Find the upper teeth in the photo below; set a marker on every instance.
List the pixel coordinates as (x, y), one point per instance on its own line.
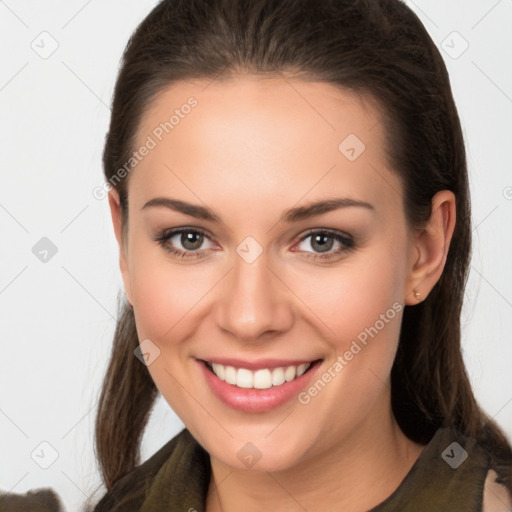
(260, 379)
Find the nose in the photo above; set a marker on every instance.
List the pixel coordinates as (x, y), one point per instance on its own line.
(255, 303)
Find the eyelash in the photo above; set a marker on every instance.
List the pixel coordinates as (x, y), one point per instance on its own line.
(345, 240)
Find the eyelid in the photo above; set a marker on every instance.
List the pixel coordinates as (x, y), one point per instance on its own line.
(328, 231)
(168, 233)
(176, 231)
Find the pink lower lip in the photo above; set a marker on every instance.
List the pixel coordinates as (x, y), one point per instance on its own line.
(256, 400)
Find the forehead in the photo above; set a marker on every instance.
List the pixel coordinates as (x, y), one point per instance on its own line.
(252, 137)
(317, 111)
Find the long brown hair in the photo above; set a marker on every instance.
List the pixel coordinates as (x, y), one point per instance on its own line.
(377, 47)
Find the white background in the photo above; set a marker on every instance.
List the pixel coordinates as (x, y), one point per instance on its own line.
(58, 317)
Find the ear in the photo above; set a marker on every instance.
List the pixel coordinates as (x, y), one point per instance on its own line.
(117, 217)
(429, 248)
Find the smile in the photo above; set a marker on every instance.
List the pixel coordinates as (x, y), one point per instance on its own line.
(264, 378)
(257, 387)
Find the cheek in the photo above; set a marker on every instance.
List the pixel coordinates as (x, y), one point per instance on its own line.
(165, 297)
(164, 292)
(351, 298)
(361, 308)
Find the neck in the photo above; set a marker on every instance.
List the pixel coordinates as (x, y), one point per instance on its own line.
(356, 474)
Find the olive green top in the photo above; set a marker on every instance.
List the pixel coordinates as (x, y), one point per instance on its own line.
(448, 475)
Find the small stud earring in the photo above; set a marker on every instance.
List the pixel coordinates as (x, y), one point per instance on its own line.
(417, 294)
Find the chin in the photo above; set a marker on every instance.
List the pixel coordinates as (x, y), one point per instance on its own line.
(259, 453)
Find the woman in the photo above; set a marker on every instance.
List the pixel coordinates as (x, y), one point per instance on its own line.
(288, 187)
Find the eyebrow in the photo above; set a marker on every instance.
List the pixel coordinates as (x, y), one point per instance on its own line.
(291, 215)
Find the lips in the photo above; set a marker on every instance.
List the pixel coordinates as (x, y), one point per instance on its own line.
(257, 386)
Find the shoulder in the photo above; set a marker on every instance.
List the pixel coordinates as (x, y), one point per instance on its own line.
(496, 497)
(494, 493)
(452, 473)
(131, 490)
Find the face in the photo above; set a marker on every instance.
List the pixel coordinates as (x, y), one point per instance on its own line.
(270, 320)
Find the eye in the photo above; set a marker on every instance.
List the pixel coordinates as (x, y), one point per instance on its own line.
(192, 242)
(190, 239)
(323, 241)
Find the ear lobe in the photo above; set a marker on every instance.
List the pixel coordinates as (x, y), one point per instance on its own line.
(117, 221)
(430, 248)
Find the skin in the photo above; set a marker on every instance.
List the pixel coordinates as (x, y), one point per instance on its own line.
(251, 149)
